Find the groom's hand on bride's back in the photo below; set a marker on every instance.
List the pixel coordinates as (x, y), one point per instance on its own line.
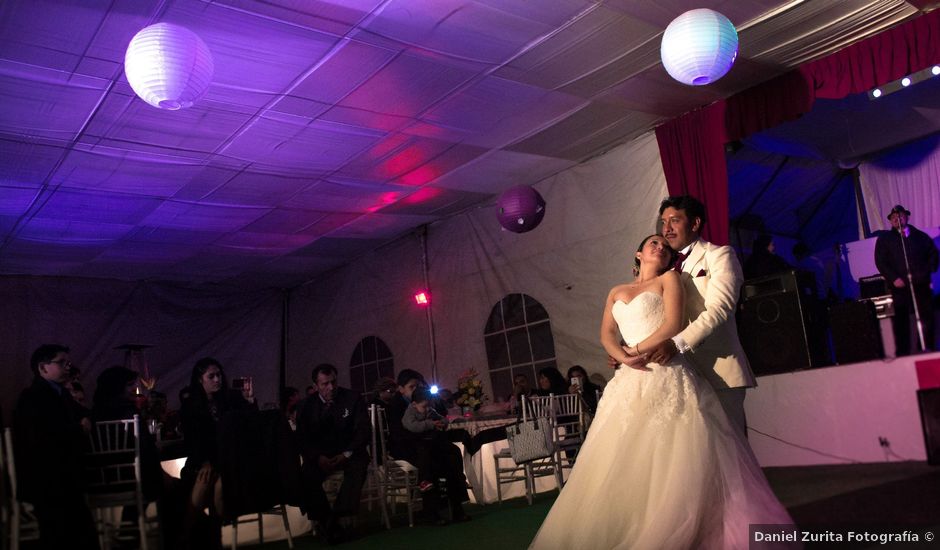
(662, 353)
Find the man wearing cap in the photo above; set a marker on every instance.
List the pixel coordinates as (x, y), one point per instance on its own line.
(905, 255)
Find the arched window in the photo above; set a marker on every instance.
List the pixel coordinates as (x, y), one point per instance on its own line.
(370, 361)
(518, 338)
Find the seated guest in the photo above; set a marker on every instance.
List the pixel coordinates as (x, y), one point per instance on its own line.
(114, 399)
(383, 391)
(334, 431)
(208, 400)
(445, 459)
(578, 382)
(421, 419)
(50, 444)
(290, 398)
(114, 394)
(551, 382)
(520, 388)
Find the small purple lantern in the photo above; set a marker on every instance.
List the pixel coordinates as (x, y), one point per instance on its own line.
(521, 208)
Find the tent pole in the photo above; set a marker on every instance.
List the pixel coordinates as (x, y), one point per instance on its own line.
(423, 237)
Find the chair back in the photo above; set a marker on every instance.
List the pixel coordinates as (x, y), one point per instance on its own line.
(570, 416)
(536, 407)
(113, 464)
(18, 516)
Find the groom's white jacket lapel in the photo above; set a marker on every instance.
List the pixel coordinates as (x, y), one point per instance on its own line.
(712, 278)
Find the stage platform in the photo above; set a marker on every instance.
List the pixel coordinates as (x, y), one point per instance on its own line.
(841, 414)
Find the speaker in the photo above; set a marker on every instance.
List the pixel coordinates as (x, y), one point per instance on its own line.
(856, 333)
(929, 403)
(780, 325)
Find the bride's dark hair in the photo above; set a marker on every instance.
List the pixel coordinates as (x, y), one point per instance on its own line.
(636, 261)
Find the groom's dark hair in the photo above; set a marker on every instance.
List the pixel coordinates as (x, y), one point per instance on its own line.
(693, 207)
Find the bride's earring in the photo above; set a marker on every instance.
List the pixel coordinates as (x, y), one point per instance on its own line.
(636, 271)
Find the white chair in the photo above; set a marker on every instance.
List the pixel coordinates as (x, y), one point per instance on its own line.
(20, 519)
(570, 427)
(278, 510)
(114, 481)
(398, 478)
(508, 471)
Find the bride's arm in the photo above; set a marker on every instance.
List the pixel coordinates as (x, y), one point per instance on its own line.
(673, 302)
(610, 334)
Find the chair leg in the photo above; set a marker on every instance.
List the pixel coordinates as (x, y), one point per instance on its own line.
(499, 486)
(383, 504)
(529, 482)
(235, 534)
(260, 528)
(142, 526)
(15, 528)
(290, 538)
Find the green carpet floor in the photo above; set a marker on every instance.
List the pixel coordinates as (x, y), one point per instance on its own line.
(888, 494)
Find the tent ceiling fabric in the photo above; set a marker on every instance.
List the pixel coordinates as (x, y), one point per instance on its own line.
(331, 127)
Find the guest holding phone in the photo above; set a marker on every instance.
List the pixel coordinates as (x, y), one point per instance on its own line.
(578, 382)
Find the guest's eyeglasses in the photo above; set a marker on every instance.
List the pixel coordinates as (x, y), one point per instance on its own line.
(65, 364)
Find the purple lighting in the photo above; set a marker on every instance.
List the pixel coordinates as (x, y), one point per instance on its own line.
(521, 208)
(168, 66)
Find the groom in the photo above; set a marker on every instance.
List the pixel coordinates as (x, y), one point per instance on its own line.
(711, 275)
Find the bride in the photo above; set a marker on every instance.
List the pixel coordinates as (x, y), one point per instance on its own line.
(662, 467)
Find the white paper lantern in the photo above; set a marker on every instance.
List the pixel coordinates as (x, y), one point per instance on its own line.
(699, 47)
(168, 66)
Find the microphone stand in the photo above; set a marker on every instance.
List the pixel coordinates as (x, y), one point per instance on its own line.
(910, 284)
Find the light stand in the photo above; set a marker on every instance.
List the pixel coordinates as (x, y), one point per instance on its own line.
(910, 285)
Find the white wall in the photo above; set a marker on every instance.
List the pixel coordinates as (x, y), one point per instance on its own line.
(836, 414)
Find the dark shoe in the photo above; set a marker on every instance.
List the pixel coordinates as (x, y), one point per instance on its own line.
(335, 534)
(435, 519)
(459, 515)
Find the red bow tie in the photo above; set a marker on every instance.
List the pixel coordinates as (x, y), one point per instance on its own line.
(680, 257)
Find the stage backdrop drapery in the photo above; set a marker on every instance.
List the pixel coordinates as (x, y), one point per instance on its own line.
(687, 142)
(693, 156)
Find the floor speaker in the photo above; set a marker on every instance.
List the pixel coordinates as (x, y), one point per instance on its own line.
(779, 324)
(929, 402)
(856, 332)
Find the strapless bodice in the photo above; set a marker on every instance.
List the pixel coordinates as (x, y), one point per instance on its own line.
(639, 317)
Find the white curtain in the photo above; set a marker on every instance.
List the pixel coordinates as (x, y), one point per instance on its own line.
(908, 175)
(596, 215)
(93, 316)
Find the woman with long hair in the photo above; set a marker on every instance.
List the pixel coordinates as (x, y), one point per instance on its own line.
(208, 400)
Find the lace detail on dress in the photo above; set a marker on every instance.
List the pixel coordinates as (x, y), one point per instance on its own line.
(665, 394)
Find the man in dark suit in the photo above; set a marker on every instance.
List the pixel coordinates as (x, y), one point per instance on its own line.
(50, 446)
(333, 428)
(905, 247)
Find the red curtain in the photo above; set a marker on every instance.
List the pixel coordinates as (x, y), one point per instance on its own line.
(692, 146)
(693, 156)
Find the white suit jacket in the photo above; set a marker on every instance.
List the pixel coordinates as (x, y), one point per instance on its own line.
(712, 278)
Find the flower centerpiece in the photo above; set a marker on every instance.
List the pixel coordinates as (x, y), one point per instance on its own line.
(470, 391)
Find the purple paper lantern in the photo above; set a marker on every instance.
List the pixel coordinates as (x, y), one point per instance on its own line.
(521, 208)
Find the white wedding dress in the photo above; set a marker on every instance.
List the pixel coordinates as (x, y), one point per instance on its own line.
(662, 467)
